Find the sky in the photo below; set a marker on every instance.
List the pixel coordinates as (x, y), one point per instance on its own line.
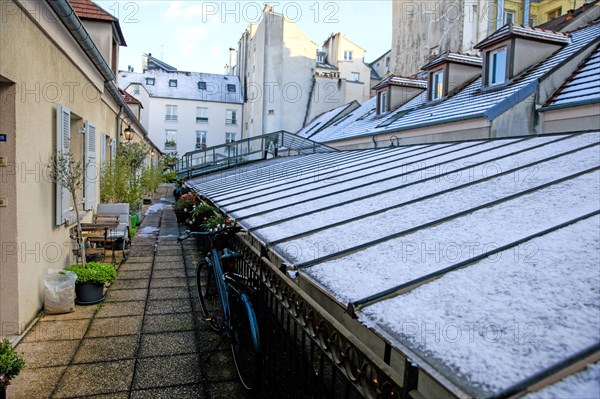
(196, 35)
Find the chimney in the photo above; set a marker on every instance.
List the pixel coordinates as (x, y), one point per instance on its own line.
(570, 15)
(232, 60)
(145, 62)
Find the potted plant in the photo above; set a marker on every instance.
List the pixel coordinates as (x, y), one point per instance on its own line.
(11, 365)
(184, 206)
(201, 213)
(217, 222)
(91, 278)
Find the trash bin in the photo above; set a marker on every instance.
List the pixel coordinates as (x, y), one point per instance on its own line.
(59, 291)
(134, 219)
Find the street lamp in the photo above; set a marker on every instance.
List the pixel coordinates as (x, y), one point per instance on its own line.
(128, 133)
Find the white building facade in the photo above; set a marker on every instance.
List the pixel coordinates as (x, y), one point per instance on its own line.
(187, 111)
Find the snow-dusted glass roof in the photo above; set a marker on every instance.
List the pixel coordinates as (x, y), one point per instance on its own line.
(490, 231)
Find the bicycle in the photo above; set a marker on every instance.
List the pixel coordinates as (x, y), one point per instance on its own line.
(217, 281)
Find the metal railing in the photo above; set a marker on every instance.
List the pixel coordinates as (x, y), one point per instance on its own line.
(272, 145)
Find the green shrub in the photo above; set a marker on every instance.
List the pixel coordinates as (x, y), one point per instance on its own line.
(11, 363)
(186, 203)
(203, 210)
(216, 221)
(94, 272)
(169, 177)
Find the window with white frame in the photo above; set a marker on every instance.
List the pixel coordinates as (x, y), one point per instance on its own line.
(172, 82)
(496, 66)
(136, 89)
(229, 137)
(201, 138)
(231, 88)
(231, 117)
(202, 85)
(437, 85)
(201, 115)
(150, 81)
(170, 139)
(171, 113)
(509, 17)
(382, 102)
(348, 55)
(355, 77)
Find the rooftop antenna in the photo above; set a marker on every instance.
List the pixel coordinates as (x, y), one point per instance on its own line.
(162, 51)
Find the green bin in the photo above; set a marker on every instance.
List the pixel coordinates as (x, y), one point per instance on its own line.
(134, 219)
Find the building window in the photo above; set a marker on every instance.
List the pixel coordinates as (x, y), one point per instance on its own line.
(229, 137)
(532, 21)
(172, 82)
(202, 85)
(382, 102)
(231, 88)
(201, 115)
(149, 81)
(509, 17)
(496, 64)
(557, 12)
(136, 89)
(348, 55)
(355, 77)
(437, 85)
(231, 118)
(170, 140)
(171, 113)
(201, 139)
(320, 58)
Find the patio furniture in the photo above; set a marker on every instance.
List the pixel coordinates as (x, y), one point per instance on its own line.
(117, 239)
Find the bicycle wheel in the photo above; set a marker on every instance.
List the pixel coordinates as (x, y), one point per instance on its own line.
(245, 340)
(126, 245)
(208, 293)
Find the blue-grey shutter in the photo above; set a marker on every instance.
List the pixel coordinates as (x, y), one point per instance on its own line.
(91, 168)
(63, 144)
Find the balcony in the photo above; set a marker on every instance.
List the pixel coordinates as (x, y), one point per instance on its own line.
(201, 119)
(231, 121)
(171, 118)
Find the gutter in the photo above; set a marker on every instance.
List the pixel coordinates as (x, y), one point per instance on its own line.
(67, 15)
(570, 105)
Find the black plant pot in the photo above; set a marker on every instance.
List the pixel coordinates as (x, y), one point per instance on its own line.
(2, 392)
(89, 293)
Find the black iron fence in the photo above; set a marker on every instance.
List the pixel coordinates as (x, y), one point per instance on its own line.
(306, 354)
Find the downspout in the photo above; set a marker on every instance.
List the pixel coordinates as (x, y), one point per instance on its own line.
(118, 124)
(374, 142)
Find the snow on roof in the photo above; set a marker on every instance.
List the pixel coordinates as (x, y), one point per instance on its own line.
(219, 88)
(585, 384)
(453, 57)
(402, 81)
(469, 103)
(490, 231)
(511, 30)
(322, 120)
(581, 88)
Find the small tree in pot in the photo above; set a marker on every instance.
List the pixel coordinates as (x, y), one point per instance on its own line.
(11, 365)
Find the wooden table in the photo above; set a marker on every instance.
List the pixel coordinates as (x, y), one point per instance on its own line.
(98, 233)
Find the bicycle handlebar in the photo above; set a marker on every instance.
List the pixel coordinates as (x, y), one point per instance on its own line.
(189, 233)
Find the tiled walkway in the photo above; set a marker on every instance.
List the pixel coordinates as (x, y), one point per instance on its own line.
(143, 341)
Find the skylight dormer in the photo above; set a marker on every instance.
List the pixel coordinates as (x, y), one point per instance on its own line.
(395, 91)
(513, 49)
(448, 72)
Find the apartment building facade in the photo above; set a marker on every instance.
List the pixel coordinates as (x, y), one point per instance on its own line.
(186, 111)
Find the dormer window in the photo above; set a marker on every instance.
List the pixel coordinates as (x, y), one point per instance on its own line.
(348, 55)
(172, 82)
(202, 85)
(231, 88)
(437, 85)
(149, 81)
(382, 102)
(497, 66)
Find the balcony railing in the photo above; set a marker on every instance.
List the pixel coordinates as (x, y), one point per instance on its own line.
(171, 118)
(231, 121)
(272, 145)
(201, 119)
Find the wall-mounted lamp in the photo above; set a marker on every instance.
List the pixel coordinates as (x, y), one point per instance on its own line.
(152, 153)
(128, 133)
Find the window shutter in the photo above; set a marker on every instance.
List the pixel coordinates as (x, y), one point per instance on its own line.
(113, 149)
(103, 140)
(91, 168)
(63, 139)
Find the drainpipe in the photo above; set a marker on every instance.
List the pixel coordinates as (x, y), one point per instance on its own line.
(500, 15)
(526, 11)
(374, 142)
(119, 124)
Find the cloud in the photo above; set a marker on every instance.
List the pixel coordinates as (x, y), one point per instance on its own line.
(180, 10)
(189, 39)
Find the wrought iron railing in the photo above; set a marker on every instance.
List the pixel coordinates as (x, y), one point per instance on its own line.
(278, 144)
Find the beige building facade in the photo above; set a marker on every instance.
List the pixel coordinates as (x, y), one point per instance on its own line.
(53, 97)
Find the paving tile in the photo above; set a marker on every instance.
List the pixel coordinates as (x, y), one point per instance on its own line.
(177, 370)
(172, 258)
(167, 265)
(140, 259)
(128, 285)
(126, 295)
(132, 275)
(116, 309)
(129, 267)
(168, 282)
(81, 312)
(171, 273)
(106, 349)
(168, 251)
(169, 293)
(179, 392)
(168, 306)
(57, 330)
(139, 249)
(115, 326)
(228, 390)
(168, 322)
(47, 353)
(171, 343)
(220, 366)
(35, 383)
(92, 379)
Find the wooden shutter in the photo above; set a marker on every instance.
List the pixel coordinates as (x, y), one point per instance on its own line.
(91, 168)
(63, 145)
(103, 141)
